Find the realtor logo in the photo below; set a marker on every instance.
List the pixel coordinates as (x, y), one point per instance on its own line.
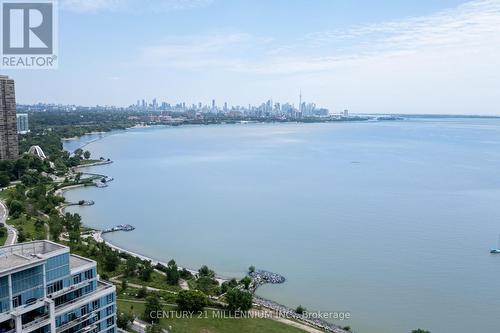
(29, 34)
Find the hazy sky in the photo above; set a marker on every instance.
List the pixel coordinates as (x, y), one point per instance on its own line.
(388, 56)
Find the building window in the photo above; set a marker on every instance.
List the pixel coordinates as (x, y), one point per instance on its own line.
(77, 279)
(109, 310)
(16, 301)
(95, 305)
(109, 298)
(89, 274)
(110, 321)
(56, 286)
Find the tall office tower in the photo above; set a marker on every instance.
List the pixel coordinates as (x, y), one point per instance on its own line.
(45, 289)
(9, 149)
(213, 105)
(22, 123)
(346, 113)
(155, 104)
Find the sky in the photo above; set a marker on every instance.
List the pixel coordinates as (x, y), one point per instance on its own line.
(385, 56)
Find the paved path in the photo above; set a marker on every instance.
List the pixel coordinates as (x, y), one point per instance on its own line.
(11, 231)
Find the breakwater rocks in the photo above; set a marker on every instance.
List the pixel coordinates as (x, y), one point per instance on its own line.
(261, 277)
(285, 312)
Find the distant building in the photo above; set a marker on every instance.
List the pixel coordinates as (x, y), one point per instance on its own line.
(9, 149)
(346, 113)
(45, 289)
(22, 123)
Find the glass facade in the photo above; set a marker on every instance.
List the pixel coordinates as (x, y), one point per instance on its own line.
(53, 292)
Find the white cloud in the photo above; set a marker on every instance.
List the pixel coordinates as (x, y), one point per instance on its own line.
(215, 51)
(471, 26)
(131, 5)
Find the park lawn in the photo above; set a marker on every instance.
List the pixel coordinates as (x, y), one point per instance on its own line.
(28, 227)
(85, 162)
(157, 281)
(4, 193)
(209, 324)
(131, 294)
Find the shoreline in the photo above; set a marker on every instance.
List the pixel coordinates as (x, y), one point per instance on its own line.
(257, 300)
(267, 304)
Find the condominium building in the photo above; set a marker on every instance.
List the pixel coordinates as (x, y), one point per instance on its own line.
(22, 123)
(9, 149)
(44, 288)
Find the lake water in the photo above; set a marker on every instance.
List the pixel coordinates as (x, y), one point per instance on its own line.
(391, 221)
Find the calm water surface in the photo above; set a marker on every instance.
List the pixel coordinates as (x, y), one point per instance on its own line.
(391, 221)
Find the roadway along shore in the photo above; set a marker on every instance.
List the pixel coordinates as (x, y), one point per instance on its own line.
(11, 231)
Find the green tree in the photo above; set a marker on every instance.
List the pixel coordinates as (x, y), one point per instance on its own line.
(300, 309)
(205, 271)
(3, 231)
(124, 284)
(185, 274)
(191, 300)
(143, 292)
(86, 154)
(146, 271)
(111, 260)
(151, 308)
(238, 300)
(74, 237)
(207, 284)
(420, 331)
(251, 269)
(228, 285)
(4, 179)
(78, 153)
(55, 227)
(39, 224)
(131, 266)
(16, 208)
(21, 235)
(246, 281)
(123, 320)
(172, 272)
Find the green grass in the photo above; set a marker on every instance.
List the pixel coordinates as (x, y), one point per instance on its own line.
(28, 227)
(210, 323)
(4, 194)
(85, 162)
(157, 281)
(131, 294)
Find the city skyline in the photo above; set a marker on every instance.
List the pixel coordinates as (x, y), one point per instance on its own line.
(384, 57)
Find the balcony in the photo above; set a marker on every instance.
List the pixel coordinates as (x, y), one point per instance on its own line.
(69, 289)
(37, 322)
(76, 321)
(101, 287)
